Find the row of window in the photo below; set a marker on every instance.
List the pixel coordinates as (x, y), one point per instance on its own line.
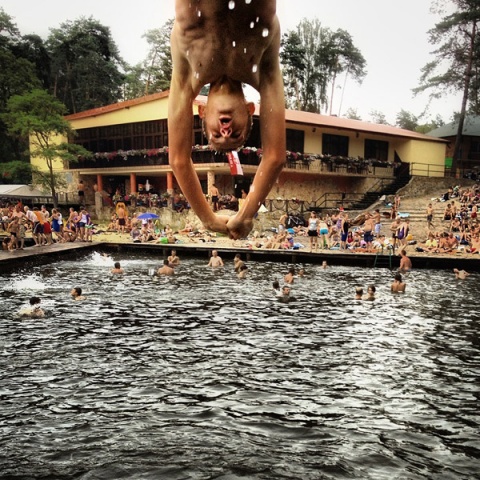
(154, 134)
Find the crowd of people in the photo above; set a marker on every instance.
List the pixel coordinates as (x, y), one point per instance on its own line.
(451, 229)
(455, 227)
(44, 226)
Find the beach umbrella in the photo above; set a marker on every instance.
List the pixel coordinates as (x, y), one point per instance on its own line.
(148, 216)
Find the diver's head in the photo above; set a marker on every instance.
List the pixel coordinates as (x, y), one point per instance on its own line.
(227, 117)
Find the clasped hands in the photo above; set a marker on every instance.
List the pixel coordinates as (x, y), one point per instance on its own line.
(234, 226)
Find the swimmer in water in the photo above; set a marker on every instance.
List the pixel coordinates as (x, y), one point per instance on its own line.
(243, 271)
(76, 294)
(370, 293)
(358, 293)
(117, 268)
(460, 274)
(227, 117)
(34, 310)
(398, 284)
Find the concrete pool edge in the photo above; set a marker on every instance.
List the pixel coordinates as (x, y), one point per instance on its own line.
(17, 259)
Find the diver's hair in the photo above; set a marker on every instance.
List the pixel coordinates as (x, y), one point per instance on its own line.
(221, 150)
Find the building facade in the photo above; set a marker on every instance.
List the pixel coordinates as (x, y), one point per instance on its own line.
(325, 154)
(469, 155)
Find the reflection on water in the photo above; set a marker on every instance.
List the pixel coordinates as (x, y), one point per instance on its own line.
(205, 376)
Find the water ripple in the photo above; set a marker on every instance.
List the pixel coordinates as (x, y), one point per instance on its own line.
(206, 376)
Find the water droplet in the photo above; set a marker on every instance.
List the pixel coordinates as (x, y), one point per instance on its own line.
(197, 75)
(265, 32)
(248, 1)
(188, 53)
(199, 13)
(257, 19)
(231, 4)
(252, 24)
(254, 68)
(244, 50)
(234, 44)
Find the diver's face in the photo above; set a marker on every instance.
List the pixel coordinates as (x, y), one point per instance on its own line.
(227, 120)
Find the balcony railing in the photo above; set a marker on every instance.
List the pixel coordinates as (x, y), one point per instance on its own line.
(326, 164)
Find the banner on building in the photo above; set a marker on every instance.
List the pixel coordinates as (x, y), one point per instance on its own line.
(234, 162)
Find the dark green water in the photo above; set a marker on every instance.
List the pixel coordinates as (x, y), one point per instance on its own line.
(205, 376)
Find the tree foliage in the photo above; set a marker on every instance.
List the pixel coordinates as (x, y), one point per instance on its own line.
(17, 75)
(155, 72)
(378, 117)
(292, 56)
(431, 125)
(313, 57)
(455, 67)
(406, 120)
(86, 65)
(352, 114)
(158, 64)
(39, 116)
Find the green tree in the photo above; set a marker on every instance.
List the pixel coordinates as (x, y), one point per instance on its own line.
(352, 114)
(432, 124)
(33, 49)
(292, 56)
(457, 60)
(16, 172)
(155, 72)
(39, 116)
(134, 82)
(87, 70)
(378, 117)
(17, 75)
(318, 56)
(158, 64)
(406, 120)
(344, 58)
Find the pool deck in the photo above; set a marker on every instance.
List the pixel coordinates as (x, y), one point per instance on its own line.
(45, 254)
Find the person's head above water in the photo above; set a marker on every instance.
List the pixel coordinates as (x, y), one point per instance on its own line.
(227, 116)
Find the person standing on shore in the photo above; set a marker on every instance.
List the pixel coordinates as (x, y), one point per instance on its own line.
(214, 194)
(377, 220)
(430, 213)
(344, 228)
(313, 231)
(368, 228)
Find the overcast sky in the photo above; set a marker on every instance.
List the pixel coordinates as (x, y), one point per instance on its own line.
(391, 35)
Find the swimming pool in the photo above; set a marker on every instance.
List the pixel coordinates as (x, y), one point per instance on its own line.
(203, 375)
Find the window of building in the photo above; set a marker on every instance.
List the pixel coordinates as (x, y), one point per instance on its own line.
(139, 136)
(335, 145)
(474, 150)
(295, 140)
(376, 149)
